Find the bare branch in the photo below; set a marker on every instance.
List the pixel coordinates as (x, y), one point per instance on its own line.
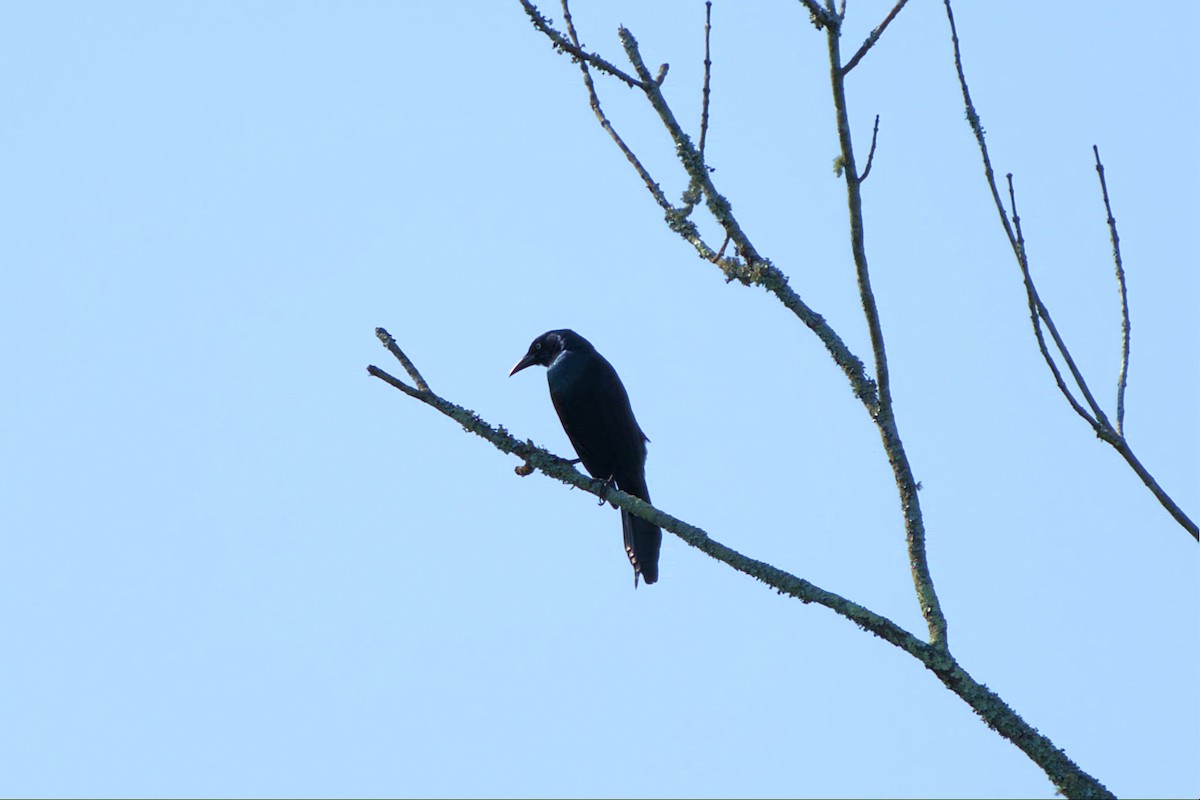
(560, 42)
(870, 155)
(1099, 422)
(721, 252)
(1123, 375)
(1038, 312)
(819, 16)
(885, 419)
(408, 365)
(874, 37)
(752, 269)
(1122, 446)
(1066, 775)
(564, 470)
(707, 72)
(594, 100)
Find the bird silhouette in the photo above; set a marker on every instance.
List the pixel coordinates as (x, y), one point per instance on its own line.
(594, 409)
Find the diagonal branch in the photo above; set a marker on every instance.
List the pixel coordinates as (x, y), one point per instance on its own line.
(1039, 313)
(404, 360)
(561, 469)
(751, 269)
(873, 38)
(1066, 775)
(1123, 375)
(560, 43)
(594, 99)
(1099, 422)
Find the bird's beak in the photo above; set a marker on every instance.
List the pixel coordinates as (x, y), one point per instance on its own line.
(528, 361)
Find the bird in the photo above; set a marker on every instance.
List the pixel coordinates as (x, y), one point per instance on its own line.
(594, 409)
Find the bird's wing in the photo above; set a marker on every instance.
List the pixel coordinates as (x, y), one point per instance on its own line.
(595, 412)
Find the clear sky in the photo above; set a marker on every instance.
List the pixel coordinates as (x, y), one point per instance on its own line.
(236, 565)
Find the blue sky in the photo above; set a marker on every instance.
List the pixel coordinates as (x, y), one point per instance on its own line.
(235, 565)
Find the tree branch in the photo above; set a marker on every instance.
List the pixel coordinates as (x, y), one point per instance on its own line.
(707, 73)
(872, 39)
(751, 269)
(1123, 374)
(1038, 311)
(594, 100)
(560, 43)
(819, 16)
(871, 154)
(885, 419)
(1065, 774)
(408, 365)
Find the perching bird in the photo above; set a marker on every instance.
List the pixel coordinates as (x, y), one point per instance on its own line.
(594, 410)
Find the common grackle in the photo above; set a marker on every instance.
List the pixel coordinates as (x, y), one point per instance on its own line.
(594, 410)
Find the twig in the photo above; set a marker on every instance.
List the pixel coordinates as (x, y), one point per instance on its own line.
(561, 43)
(594, 100)
(1038, 312)
(1104, 430)
(874, 37)
(1123, 375)
(870, 155)
(721, 252)
(408, 365)
(753, 269)
(1065, 774)
(821, 17)
(707, 72)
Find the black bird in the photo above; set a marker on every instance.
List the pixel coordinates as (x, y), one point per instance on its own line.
(594, 410)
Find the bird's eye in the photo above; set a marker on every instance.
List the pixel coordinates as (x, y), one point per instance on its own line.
(537, 346)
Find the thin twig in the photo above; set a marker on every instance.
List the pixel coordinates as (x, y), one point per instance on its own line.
(408, 365)
(752, 269)
(1097, 418)
(1037, 310)
(721, 252)
(820, 17)
(1123, 375)
(1065, 774)
(1100, 424)
(594, 100)
(874, 37)
(560, 42)
(677, 218)
(707, 72)
(870, 155)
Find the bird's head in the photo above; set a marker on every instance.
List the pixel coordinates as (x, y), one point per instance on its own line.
(547, 347)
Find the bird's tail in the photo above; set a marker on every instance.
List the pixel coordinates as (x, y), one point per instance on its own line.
(642, 542)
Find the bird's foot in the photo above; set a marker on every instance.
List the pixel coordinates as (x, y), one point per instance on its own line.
(601, 485)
